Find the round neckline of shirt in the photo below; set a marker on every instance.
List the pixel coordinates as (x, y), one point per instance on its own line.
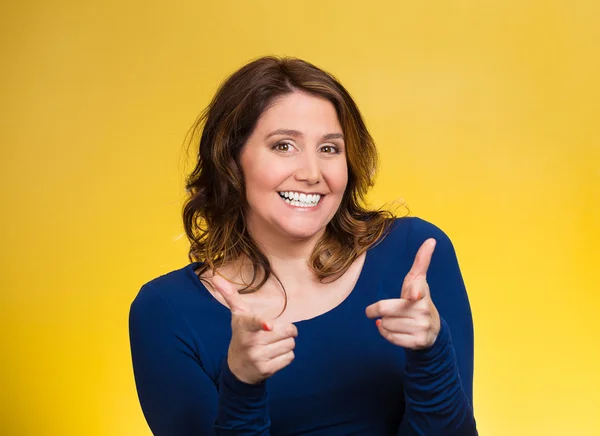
(346, 301)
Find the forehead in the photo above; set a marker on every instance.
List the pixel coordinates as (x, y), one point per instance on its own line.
(300, 111)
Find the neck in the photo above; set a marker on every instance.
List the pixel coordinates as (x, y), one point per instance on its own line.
(288, 257)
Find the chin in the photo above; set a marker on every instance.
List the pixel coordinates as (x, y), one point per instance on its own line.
(302, 231)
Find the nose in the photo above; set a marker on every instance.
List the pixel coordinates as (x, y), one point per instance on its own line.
(308, 169)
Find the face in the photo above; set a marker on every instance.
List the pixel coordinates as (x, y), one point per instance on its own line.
(294, 166)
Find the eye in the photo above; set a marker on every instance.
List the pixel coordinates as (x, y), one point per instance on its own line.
(283, 146)
(330, 149)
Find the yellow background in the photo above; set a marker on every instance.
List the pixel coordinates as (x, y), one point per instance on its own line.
(486, 115)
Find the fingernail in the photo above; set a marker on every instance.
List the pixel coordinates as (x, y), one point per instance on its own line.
(378, 322)
(266, 327)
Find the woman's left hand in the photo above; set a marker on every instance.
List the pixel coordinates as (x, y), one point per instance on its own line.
(411, 321)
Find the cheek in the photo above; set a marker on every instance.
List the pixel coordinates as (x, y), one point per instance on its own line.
(338, 178)
(263, 176)
(253, 168)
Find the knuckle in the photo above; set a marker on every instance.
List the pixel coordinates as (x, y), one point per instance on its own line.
(263, 370)
(424, 310)
(387, 334)
(376, 307)
(423, 324)
(384, 310)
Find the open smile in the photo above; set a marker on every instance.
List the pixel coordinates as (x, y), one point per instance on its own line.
(300, 199)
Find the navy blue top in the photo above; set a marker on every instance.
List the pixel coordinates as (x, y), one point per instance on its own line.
(346, 379)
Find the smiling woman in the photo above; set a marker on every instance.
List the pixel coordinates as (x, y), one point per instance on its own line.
(276, 203)
(289, 123)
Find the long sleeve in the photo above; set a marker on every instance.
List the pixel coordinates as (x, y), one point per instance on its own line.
(242, 407)
(438, 381)
(176, 394)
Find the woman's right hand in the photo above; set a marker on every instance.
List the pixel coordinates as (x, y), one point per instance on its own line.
(258, 348)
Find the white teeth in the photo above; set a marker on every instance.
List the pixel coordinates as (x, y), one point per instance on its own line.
(300, 199)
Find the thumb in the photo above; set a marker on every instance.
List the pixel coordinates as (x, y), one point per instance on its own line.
(415, 290)
(229, 293)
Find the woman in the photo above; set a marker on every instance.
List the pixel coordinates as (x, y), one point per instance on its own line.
(303, 312)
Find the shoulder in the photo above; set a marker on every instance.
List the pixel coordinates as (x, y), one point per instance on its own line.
(174, 279)
(409, 233)
(175, 290)
(398, 248)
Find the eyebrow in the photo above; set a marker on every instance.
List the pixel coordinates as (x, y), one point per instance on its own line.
(298, 134)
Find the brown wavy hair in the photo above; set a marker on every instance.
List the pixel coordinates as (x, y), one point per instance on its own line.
(213, 214)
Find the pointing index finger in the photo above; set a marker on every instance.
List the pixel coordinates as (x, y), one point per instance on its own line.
(422, 259)
(230, 295)
(237, 306)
